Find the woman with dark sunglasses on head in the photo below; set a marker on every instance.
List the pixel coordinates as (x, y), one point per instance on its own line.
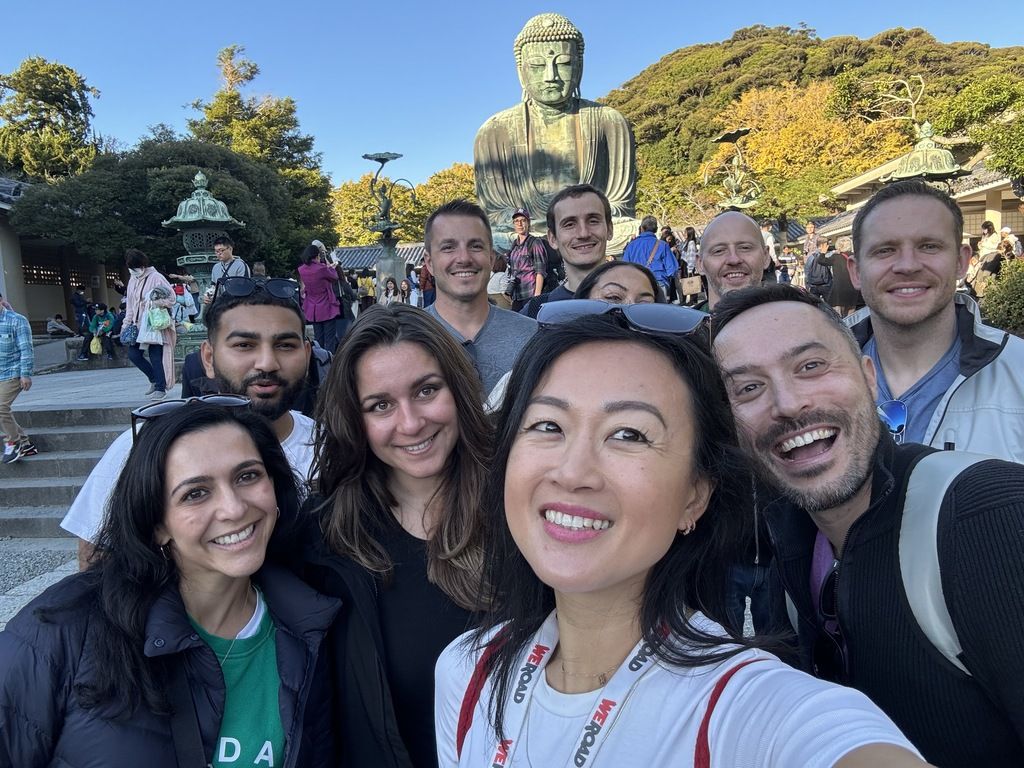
(401, 452)
(184, 643)
(615, 504)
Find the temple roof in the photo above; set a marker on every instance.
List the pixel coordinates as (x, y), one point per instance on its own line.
(366, 256)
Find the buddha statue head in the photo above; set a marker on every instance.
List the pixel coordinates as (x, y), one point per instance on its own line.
(549, 56)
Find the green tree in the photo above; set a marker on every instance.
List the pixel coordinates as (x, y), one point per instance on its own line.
(455, 182)
(267, 129)
(121, 201)
(46, 116)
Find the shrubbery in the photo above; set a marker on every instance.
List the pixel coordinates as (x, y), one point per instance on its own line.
(1003, 305)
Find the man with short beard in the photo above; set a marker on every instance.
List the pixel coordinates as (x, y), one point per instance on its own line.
(255, 347)
(804, 401)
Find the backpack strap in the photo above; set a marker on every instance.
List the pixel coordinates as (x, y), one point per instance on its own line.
(702, 751)
(927, 485)
(473, 691)
(188, 742)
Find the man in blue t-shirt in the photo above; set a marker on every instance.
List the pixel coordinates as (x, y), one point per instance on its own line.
(949, 381)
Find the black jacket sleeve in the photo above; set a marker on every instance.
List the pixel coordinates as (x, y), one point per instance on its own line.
(980, 548)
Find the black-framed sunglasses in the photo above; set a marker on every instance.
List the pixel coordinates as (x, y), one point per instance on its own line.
(894, 415)
(829, 659)
(240, 286)
(648, 318)
(156, 410)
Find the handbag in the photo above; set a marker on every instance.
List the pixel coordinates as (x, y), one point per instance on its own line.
(129, 334)
(159, 318)
(691, 285)
(95, 346)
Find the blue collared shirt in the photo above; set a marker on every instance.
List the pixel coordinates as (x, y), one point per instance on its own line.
(16, 356)
(663, 265)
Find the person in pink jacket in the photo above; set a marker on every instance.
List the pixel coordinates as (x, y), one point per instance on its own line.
(320, 303)
(157, 360)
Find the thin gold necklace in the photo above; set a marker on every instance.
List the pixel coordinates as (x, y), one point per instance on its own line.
(230, 647)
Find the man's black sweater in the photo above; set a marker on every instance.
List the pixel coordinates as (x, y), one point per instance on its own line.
(953, 718)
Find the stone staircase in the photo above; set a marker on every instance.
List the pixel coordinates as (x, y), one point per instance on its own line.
(36, 491)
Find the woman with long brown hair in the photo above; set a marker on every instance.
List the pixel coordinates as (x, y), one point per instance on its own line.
(401, 451)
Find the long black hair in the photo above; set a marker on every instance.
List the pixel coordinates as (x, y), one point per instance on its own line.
(692, 574)
(128, 573)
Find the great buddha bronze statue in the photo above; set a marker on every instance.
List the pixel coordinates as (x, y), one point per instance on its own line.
(525, 154)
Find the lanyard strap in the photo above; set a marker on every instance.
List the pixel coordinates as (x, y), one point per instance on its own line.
(610, 701)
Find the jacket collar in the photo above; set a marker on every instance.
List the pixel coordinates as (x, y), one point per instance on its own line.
(980, 344)
(296, 607)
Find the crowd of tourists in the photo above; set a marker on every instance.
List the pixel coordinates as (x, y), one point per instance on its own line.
(476, 536)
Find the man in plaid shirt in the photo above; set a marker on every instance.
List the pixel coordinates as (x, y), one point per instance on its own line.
(16, 361)
(527, 261)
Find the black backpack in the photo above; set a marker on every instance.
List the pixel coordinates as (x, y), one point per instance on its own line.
(815, 273)
(555, 274)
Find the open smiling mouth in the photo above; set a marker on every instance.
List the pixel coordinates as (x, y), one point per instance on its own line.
(807, 445)
(236, 538)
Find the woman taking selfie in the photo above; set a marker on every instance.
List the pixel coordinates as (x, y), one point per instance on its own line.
(180, 645)
(618, 497)
(402, 451)
(320, 303)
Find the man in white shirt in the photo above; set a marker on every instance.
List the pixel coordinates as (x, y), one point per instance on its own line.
(255, 347)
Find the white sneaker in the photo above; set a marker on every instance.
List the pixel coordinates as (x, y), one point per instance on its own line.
(158, 394)
(12, 452)
(151, 390)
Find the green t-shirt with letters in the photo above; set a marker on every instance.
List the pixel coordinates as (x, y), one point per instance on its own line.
(251, 733)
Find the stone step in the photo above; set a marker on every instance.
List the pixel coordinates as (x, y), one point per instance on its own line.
(32, 522)
(91, 437)
(53, 464)
(72, 417)
(39, 491)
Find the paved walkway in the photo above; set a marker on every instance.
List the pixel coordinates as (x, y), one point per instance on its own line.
(28, 566)
(95, 388)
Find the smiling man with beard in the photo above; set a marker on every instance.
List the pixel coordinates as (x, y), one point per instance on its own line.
(804, 402)
(255, 347)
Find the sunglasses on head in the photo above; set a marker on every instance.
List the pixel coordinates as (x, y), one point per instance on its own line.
(647, 318)
(164, 407)
(240, 287)
(894, 414)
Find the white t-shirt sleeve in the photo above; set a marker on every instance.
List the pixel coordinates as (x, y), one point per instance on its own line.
(772, 715)
(452, 673)
(298, 446)
(85, 515)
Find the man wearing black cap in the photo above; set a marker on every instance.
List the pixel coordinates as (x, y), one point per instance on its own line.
(527, 262)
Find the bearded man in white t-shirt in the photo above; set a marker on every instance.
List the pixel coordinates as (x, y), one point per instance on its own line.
(255, 347)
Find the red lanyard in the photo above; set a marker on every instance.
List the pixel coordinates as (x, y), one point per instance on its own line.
(610, 700)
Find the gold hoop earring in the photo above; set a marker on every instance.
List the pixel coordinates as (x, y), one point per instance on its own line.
(691, 526)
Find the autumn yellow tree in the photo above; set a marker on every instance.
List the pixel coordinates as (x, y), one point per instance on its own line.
(355, 208)
(797, 151)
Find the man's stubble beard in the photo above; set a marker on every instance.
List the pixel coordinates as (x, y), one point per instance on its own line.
(269, 409)
(861, 443)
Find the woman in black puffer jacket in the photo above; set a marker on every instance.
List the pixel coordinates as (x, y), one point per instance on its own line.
(179, 605)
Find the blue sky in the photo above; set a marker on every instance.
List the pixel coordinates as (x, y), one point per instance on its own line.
(404, 76)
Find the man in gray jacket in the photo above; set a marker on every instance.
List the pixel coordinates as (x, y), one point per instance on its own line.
(945, 379)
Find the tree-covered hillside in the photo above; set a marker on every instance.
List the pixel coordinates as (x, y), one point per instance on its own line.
(677, 105)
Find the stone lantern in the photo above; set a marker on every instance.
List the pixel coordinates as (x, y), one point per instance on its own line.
(201, 218)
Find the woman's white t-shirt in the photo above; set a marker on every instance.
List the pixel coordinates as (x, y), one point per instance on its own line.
(769, 715)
